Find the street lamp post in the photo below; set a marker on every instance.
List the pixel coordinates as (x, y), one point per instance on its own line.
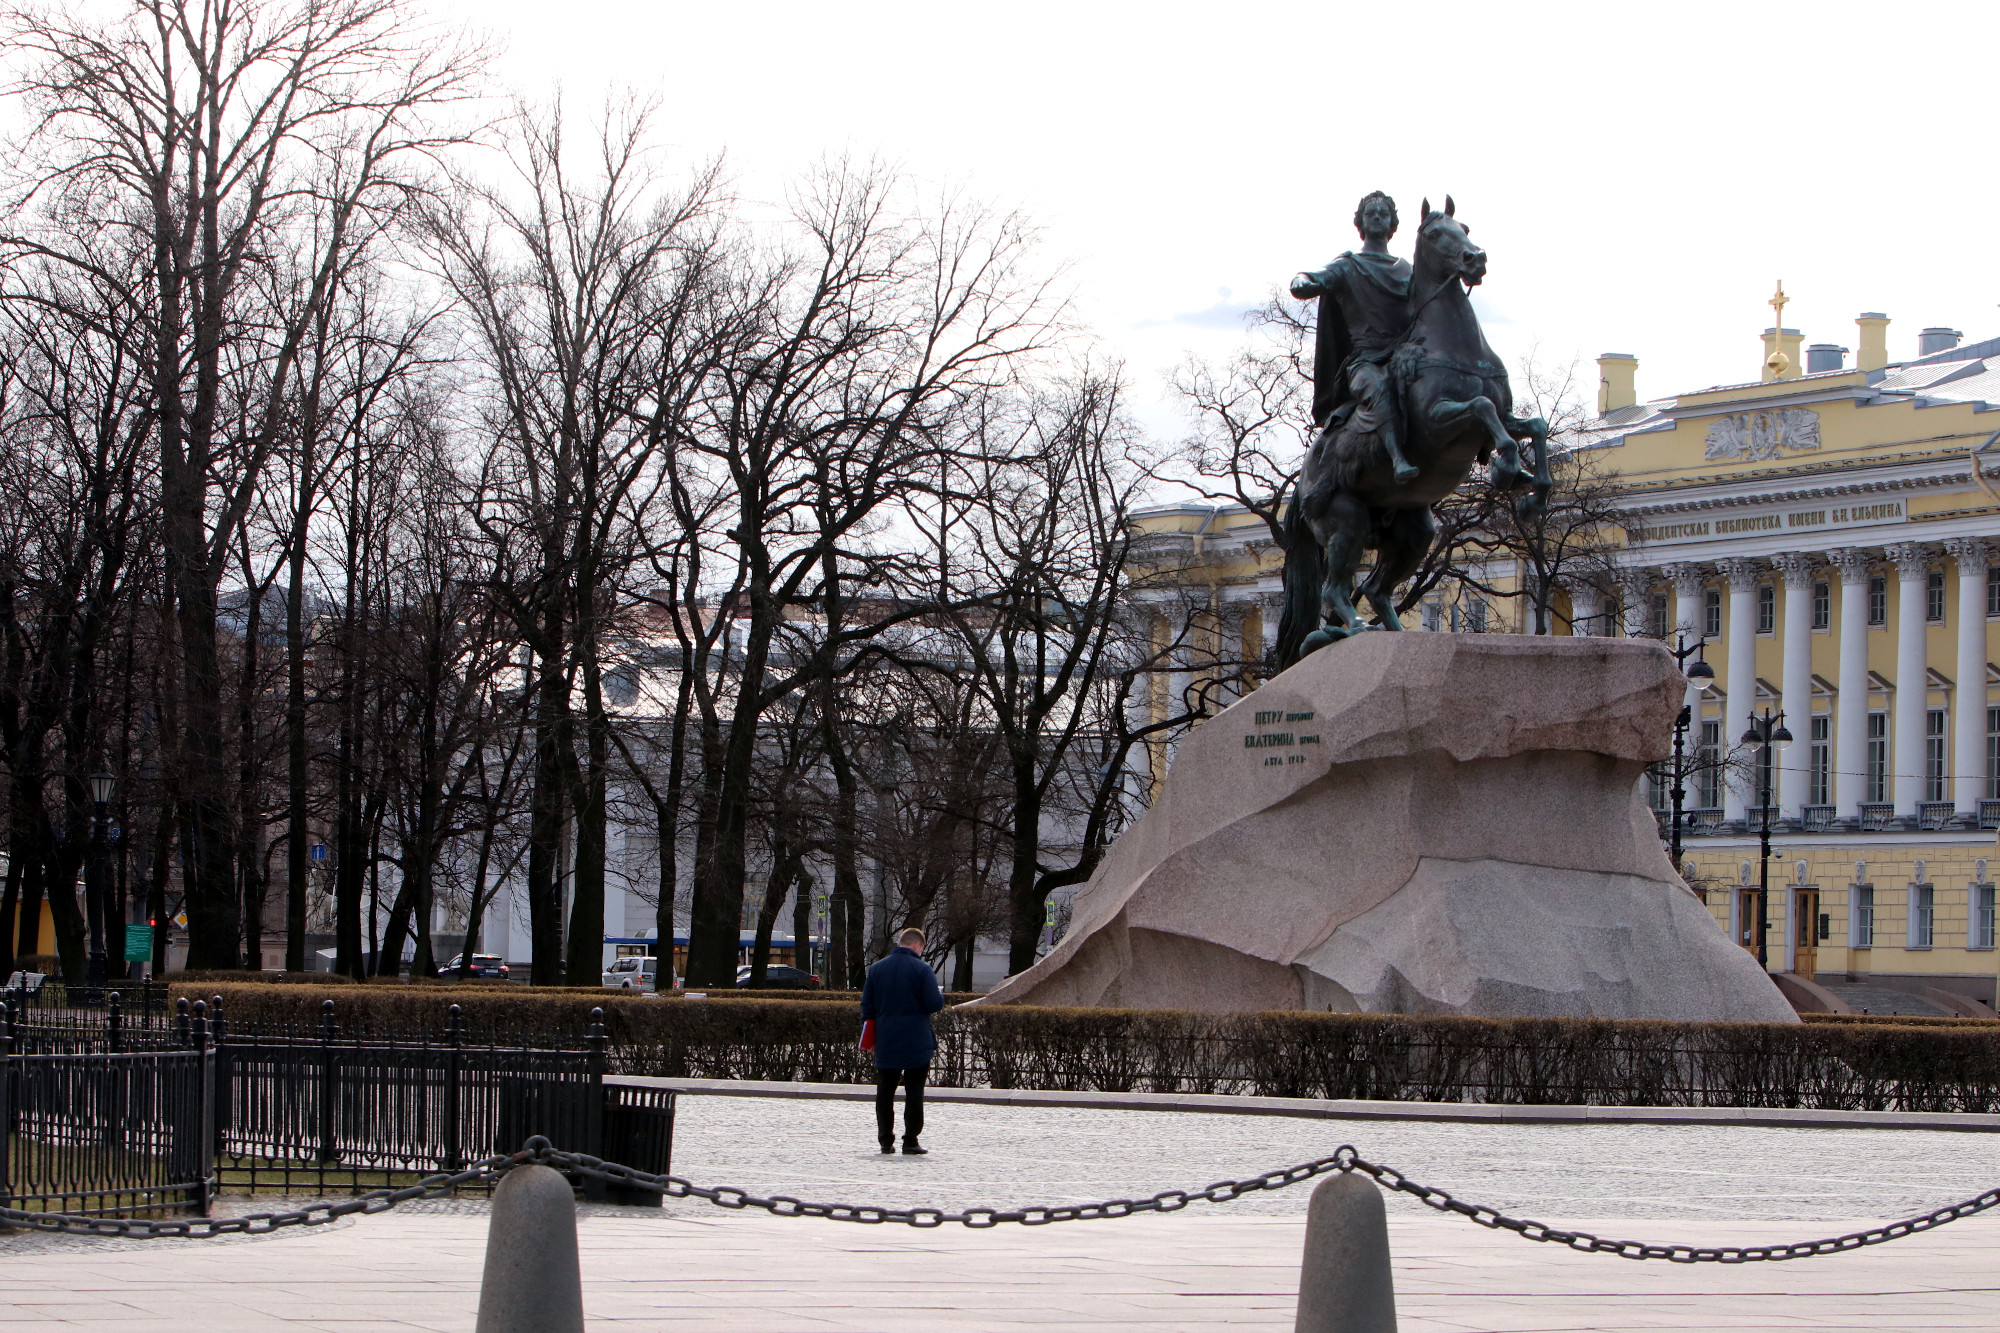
(101, 786)
(1763, 735)
(1700, 679)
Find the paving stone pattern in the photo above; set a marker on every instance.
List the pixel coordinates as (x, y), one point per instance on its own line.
(693, 1267)
(1867, 999)
(1022, 1155)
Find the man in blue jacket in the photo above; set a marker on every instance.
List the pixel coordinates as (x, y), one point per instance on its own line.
(900, 996)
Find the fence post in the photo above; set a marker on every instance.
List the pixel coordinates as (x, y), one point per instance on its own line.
(6, 1098)
(327, 1088)
(114, 1026)
(593, 1117)
(532, 1282)
(205, 1113)
(182, 1037)
(1344, 1281)
(218, 1040)
(454, 1072)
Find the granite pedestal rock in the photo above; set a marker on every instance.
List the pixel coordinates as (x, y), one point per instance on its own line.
(1413, 823)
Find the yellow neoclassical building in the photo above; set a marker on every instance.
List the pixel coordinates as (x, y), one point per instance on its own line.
(1828, 528)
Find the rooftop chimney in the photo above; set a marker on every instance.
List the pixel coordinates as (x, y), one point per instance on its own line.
(1932, 341)
(1786, 341)
(1615, 389)
(1823, 357)
(1874, 353)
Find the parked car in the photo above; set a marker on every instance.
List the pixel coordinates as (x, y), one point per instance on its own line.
(640, 974)
(779, 977)
(483, 965)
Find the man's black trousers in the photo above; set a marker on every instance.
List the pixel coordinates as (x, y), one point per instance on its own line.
(913, 1103)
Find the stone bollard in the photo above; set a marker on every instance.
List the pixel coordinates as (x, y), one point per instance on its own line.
(1344, 1283)
(532, 1283)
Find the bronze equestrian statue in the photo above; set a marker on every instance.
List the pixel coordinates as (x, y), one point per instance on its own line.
(1407, 396)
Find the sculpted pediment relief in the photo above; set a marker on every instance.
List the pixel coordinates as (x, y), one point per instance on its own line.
(1756, 436)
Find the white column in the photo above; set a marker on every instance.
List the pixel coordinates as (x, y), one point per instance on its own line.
(1850, 705)
(1968, 743)
(1586, 604)
(1233, 619)
(1912, 683)
(1740, 680)
(1270, 609)
(1635, 587)
(1795, 682)
(1687, 581)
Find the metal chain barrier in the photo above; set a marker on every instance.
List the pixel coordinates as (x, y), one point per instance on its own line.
(260, 1224)
(539, 1151)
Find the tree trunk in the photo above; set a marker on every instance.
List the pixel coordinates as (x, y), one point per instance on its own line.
(802, 924)
(1026, 899)
(298, 867)
(545, 821)
(961, 965)
(586, 903)
(716, 920)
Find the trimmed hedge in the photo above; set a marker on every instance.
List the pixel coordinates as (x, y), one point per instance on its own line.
(1393, 1057)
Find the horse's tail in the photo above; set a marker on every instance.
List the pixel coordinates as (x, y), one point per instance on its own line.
(1305, 572)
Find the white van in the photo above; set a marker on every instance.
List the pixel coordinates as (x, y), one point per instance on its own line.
(640, 974)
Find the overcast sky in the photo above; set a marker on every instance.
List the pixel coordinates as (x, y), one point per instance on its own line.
(1639, 174)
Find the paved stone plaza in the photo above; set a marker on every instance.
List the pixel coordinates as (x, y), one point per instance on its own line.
(694, 1267)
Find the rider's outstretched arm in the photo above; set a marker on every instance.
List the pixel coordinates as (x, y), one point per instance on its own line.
(1308, 285)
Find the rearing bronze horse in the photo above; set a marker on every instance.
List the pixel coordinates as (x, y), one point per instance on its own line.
(1457, 410)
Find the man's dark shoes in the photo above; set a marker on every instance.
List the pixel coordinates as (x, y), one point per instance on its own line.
(911, 1148)
(888, 1145)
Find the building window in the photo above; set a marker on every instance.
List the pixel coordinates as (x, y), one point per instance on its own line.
(1473, 618)
(1433, 617)
(1708, 782)
(1864, 916)
(1878, 600)
(1822, 603)
(1819, 765)
(1993, 591)
(1979, 934)
(1934, 755)
(1767, 608)
(1656, 618)
(1878, 758)
(1934, 596)
(1920, 916)
(1711, 613)
(1993, 754)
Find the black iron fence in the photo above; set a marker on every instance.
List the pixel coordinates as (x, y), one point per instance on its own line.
(59, 1020)
(107, 1133)
(93, 1126)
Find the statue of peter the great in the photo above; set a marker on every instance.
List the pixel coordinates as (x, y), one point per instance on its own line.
(1363, 313)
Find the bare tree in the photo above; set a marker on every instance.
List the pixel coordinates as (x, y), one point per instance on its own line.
(250, 148)
(851, 355)
(588, 303)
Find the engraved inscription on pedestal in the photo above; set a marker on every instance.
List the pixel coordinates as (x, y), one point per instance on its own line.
(1268, 740)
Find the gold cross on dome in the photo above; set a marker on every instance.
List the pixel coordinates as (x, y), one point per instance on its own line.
(1778, 362)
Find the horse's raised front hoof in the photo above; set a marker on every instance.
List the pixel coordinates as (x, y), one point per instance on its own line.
(1531, 506)
(1405, 475)
(1505, 476)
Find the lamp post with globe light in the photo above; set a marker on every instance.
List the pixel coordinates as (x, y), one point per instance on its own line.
(1764, 735)
(1700, 679)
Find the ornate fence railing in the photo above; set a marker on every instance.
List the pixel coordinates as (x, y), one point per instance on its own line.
(106, 1133)
(99, 1129)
